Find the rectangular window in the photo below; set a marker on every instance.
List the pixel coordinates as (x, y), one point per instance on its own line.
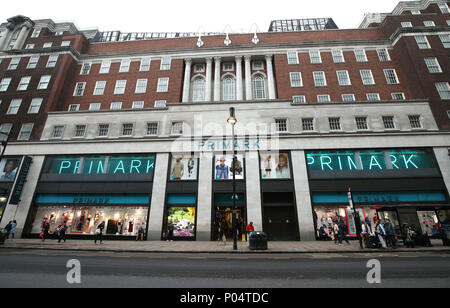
(360, 55)
(292, 57)
(65, 43)
(296, 79)
(44, 82)
(52, 61)
(308, 124)
(422, 42)
(85, 69)
(125, 66)
(443, 89)
(391, 76)
(47, 45)
(388, 122)
(338, 56)
(4, 84)
(152, 129)
(35, 33)
(58, 131)
(433, 65)
(80, 130)
(315, 57)
(145, 65)
(141, 86)
(35, 105)
(319, 79)
(116, 106)
(343, 78)
(14, 106)
(79, 89)
(228, 67)
(398, 96)
(367, 77)
(383, 55)
(335, 123)
(281, 125)
(298, 99)
(103, 130)
(361, 123)
(429, 23)
(323, 98)
(165, 64)
(25, 132)
(163, 85)
(120, 87)
(5, 129)
(13, 64)
(373, 96)
(414, 120)
(29, 46)
(99, 87)
(444, 8)
(445, 39)
(23, 84)
(415, 12)
(177, 128)
(257, 65)
(406, 24)
(160, 104)
(32, 63)
(59, 33)
(348, 97)
(127, 129)
(199, 68)
(138, 105)
(74, 107)
(104, 68)
(95, 106)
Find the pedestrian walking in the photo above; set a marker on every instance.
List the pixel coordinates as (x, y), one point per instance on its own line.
(45, 231)
(8, 228)
(364, 233)
(222, 236)
(336, 233)
(170, 230)
(390, 234)
(381, 233)
(140, 234)
(249, 229)
(99, 233)
(342, 233)
(62, 233)
(409, 236)
(13, 229)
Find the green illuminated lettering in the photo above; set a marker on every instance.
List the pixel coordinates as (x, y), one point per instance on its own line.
(150, 165)
(135, 167)
(340, 163)
(77, 163)
(393, 161)
(310, 160)
(409, 160)
(351, 163)
(100, 167)
(120, 167)
(372, 159)
(322, 163)
(64, 166)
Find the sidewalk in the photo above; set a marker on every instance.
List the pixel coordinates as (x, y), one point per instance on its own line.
(206, 247)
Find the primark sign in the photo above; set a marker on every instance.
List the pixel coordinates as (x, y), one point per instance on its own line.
(370, 159)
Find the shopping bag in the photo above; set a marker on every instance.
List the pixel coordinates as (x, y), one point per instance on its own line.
(243, 237)
(41, 236)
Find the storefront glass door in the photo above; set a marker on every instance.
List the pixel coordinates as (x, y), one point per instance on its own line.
(429, 223)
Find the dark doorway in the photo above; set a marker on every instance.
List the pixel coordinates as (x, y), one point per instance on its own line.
(280, 223)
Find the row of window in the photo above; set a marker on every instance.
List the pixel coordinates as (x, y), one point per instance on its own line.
(117, 105)
(47, 45)
(443, 7)
(32, 62)
(422, 41)
(15, 104)
(343, 78)
(24, 82)
(24, 134)
(125, 66)
(37, 32)
(338, 56)
(281, 125)
(426, 23)
(141, 87)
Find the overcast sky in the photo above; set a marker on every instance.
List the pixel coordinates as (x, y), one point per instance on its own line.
(193, 15)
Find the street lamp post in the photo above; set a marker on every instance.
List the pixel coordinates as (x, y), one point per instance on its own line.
(232, 120)
(356, 217)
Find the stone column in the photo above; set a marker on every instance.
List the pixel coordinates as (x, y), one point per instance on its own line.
(22, 37)
(158, 197)
(253, 183)
(239, 95)
(208, 79)
(3, 40)
(443, 160)
(217, 79)
(248, 78)
(20, 212)
(302, 196)
(204, 198)
(187, 80)
(270, 78)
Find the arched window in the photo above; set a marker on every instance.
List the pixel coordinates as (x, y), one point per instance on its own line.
(259, 91)
(198, 90)
(229, 88)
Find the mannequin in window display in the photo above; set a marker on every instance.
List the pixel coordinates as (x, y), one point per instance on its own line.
(178, 169)
(282, 169)
(191, 164)
(222, 170)
(81, 221)
(238, 168)
(268, 166)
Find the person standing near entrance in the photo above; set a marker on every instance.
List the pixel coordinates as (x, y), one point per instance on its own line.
(13, 228)
(390, 233)
(381, 233)
(45, 231)
(342, 233)
(222, 236)
(170, 229)
(249, 229)
(62, 233)
(364, 233)
(99, 233)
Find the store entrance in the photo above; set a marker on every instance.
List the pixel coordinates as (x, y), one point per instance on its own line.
(391, 215)
(224, 219)
(280, 223)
